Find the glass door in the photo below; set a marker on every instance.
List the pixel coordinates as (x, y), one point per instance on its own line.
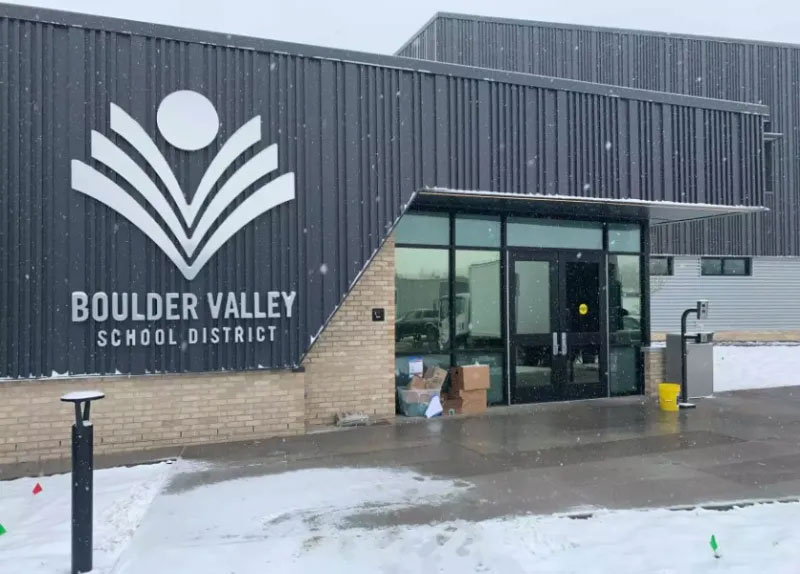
(557, 317)
(581, 317)
(534, 347)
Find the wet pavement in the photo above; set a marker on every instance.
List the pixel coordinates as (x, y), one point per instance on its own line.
(565, 457)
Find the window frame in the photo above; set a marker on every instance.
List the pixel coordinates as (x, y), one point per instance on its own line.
(452, 350)
(615, 227)
(748, 266)
(432, 214)
(670, 266)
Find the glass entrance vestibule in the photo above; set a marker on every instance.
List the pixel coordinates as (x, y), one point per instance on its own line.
(556, 307)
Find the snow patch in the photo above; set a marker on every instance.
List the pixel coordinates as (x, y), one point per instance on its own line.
(297, 522)
(257, 524)
(38, 537)
(83, 396)
(755, 367)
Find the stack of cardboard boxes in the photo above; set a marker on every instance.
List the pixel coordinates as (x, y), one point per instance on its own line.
(468, 387)
(415, 397)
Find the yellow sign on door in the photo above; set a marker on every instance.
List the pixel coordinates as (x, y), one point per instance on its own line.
(583, 308)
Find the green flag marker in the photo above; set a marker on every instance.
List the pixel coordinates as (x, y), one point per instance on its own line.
(2, 530)
(714, 545)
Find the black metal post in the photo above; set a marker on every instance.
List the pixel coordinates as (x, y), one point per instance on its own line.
(82, 495)
(684, 383)
(82, 479)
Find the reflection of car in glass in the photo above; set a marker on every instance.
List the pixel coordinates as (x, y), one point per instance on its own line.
(630, 323)
(419, 324)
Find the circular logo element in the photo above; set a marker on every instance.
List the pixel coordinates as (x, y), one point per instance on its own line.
(583, 308)
(187, 120)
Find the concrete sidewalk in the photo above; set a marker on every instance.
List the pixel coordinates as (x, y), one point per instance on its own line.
(413, 497)
(616, 453)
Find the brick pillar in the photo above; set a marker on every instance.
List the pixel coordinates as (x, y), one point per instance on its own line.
(654, 370)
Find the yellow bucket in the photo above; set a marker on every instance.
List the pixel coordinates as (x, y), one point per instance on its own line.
(668, 396)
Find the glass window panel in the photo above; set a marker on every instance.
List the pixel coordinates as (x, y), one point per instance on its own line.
(533, 370)
(532, 281)
(624, 238)
(583, 367)
(476, 231)
(424, 229)
(495, 361)
(623, 375)
(554, 233)
(477, 304)
(421, 299)
(625, 299)
(660, 266)
(583, 296)
(734, 266)
(709, 266)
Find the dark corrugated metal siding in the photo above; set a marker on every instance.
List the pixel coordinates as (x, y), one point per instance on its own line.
(361, 137)
(715, 68)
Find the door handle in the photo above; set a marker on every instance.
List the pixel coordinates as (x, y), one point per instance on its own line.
(564, 343)
(555, 343)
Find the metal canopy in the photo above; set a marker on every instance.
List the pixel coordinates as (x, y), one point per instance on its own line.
(656, 212)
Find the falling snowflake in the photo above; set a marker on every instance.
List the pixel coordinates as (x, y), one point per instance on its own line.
(608, 146)
(323, 268)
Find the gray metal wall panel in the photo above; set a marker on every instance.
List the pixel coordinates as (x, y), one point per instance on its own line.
(765, 301)
(361, 138)
(762, 72)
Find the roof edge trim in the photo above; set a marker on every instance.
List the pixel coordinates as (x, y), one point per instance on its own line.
(714, 209)
(79, 20)
(610, 29)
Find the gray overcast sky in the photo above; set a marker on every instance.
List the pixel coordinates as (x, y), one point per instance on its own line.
(383, 25)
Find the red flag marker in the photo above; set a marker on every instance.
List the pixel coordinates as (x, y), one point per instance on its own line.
(37, 489)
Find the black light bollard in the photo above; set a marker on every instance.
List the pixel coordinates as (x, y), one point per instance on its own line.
(82, 466)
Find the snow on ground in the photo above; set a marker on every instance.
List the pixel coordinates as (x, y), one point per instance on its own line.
(755, 367)
(308, 521)
(754, 539)
(257, 524)
(37, 540)
(297, 522)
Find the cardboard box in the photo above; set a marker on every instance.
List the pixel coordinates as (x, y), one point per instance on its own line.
(466, 402)
(454, 405)
(435, 377)
(432, 378)
(469, 378)
(473, 401)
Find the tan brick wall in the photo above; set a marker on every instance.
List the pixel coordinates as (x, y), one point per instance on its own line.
(654, 370)
(350, 368)
(150, 411)
(351, 365)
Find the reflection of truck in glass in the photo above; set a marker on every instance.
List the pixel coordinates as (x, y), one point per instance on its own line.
(419, 324)
(477, 309)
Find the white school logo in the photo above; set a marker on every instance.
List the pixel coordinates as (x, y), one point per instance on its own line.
(188, 121)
